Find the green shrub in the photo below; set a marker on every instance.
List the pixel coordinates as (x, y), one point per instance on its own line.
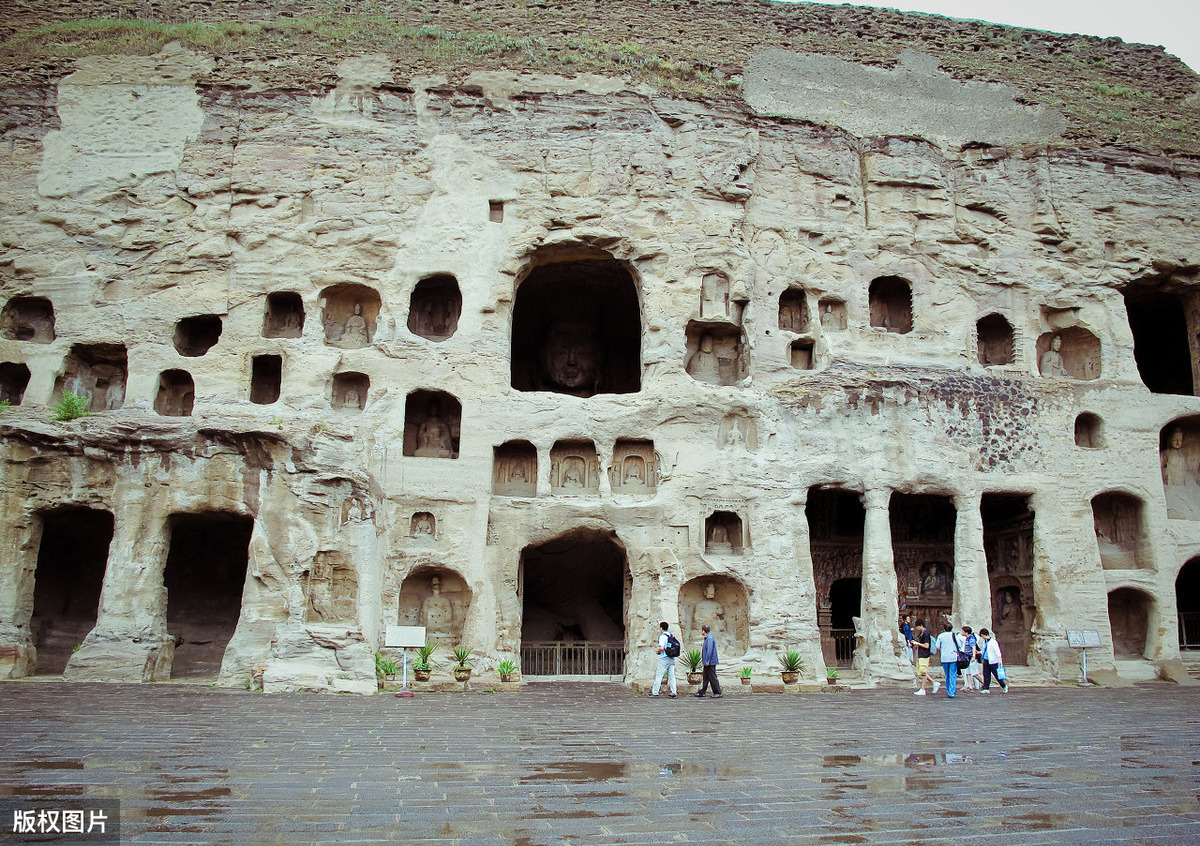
(72, 406)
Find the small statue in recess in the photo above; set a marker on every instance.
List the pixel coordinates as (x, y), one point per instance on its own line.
(1051, 363)
(355, 332)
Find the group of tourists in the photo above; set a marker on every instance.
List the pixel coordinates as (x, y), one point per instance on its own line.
(978, 658)
(668, 650)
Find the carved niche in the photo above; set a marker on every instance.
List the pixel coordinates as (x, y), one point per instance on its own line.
(833, 315)
(723, 534)
(432, 422)
(514, 469)
(423, 526)
(994, 341)
(284, 316)
(1179, 453)
(195, 336)
(14, 379)
(28, 319)
(1072, 353)
(350, 391)
(176, 394)
(793, 310)
(716, 353)
(1089, 431)
(574, 468)
(634, 471)
(714, 295)
(331, 588)
(720, 602)
(438, 599)
(95, 371)
(1118, 522)
(891, 304)
(435, 307)
(349, 315)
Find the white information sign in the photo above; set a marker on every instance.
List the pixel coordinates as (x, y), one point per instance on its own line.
(1085, 639)
(403, 637)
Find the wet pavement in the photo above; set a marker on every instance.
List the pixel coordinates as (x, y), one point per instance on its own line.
(595, 764)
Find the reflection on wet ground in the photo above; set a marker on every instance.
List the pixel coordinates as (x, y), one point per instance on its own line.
(466, 770)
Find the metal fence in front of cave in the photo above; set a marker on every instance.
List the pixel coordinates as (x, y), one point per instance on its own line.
(573, 658)
(1189, 630)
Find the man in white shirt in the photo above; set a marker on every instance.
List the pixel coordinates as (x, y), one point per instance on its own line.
(946, 646)
(666, 663)
(991, 659)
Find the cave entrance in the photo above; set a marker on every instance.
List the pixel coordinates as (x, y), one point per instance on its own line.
(70, 571)
(836, 522)
(574, 596)
(1129, 619)
(1159, 321)
(205, 575)
(1008, 545)
(1187, 604)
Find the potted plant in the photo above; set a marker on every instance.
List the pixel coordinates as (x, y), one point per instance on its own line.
(462, 669)
(506, 669)
(790, 662)
(831, 675)
(385, 668)
(422, 668)
(744, 674)
(693, 659)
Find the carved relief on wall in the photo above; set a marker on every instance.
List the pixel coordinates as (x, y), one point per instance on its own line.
(721, 603)
(833, 315)
(95, 371)
(356, 510)
(714, 295)
(437, 599)
(514, 469)
(1072, 353)
(793, 310)
(331, 588)
(737, 432)
(28, 319)
(349, 314)
(634, 471)
(423, 527)
(1179, 453)
(574, 469)
(715, 354)
(1118, 522)
(723, 534)
(925, 579)
(432, 422)
(435, 307)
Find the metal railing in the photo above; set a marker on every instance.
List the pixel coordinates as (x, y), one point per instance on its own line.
(843, 646)
(573, 658)
(1189, 630)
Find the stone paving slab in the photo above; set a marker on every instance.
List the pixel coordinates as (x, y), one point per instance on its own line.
(578, 763)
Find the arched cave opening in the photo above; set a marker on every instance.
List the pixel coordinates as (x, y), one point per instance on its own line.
(284, 317)
(836, 523)
(1008, 546)
(194, 336)
(435, 307)
(205, 575)
(891, 304)
(28, 319)
(577, 326)
(1129, 620)
(72, 558)
(574, 598)
(994, 341)
(176, 394)
(14, 379)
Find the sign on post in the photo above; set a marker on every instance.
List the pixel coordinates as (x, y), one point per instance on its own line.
(1083, 640)
(402, 637)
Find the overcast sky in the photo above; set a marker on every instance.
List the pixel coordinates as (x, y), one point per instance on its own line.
(1174, 24)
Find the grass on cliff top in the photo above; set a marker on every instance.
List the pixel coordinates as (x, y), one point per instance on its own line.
(428, 44)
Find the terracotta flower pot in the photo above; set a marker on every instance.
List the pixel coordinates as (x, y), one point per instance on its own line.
(462, 673)
(790, 678)
(421, 675)
(745, 680)
(695, 678)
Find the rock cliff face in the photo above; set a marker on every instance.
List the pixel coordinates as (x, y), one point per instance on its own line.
(537, 361)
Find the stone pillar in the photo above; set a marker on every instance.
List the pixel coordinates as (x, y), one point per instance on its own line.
(130, 642)
(879, 627)
(805, 628)
(972, 591)
(18, 657)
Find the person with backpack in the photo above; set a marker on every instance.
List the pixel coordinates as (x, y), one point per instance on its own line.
(947, 649)
(668, 650)
(973, 674)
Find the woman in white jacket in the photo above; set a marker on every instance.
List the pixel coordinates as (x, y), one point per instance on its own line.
(992, 659)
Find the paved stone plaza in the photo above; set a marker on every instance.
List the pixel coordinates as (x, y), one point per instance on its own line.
(576, 763)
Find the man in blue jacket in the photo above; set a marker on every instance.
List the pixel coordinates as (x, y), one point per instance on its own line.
(708, 657)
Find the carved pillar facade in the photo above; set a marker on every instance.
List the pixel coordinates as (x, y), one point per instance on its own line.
(130, 642)
(972, 593)
(880, 594)
(807, 630)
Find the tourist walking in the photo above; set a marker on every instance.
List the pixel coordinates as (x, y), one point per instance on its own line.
(972, 675)
(921, 645)
(708, 657)
(993, 662)
(906, 632)
(946, 646)
(666, 661)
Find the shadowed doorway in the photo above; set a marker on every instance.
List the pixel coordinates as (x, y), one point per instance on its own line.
(574, 596)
